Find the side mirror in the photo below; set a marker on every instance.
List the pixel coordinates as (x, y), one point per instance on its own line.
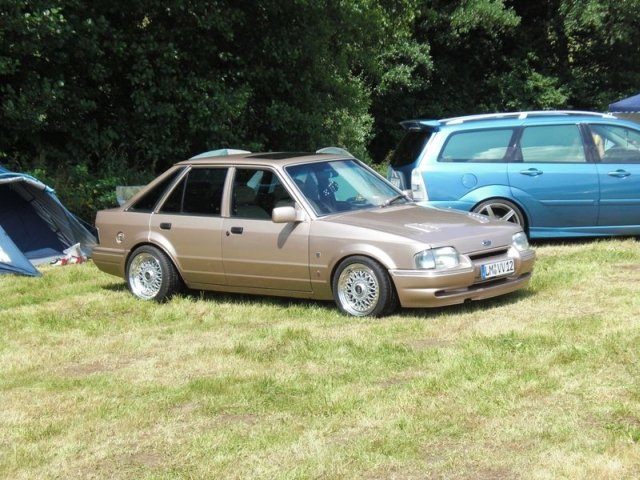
(285, 215)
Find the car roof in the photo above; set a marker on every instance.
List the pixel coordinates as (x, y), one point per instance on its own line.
(507, 119)
(264, 159)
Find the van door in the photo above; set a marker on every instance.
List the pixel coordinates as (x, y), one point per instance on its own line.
(553, 178)
(618, 151)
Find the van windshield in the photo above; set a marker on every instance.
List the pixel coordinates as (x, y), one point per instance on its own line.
(409, 148)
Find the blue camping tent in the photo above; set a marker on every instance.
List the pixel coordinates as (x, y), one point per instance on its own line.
(34, 225)
(11, 258)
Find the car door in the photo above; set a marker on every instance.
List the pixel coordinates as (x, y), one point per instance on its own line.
(618, 151)
(553, 177)
(257, 252)
(188, 225)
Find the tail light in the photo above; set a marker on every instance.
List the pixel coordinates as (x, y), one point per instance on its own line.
(418, 188)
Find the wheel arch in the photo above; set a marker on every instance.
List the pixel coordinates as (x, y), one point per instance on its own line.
(368, 255)
(523, 211)
(361, 250)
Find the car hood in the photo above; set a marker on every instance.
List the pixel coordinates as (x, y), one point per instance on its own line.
(436, 227)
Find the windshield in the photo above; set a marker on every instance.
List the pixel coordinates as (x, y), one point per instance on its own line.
(342, 186)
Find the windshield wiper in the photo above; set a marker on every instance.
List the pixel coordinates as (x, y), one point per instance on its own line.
(392, 200)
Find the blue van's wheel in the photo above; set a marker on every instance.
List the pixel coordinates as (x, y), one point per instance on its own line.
(501, 209)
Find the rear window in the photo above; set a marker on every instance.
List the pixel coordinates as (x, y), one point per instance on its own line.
(410, 148)
(477, 146)
(148, 201)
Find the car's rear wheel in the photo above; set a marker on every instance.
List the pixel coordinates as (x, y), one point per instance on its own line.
(151, 275)
(362, 287)
(502, 210)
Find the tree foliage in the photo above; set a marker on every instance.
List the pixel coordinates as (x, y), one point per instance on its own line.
(94, 94)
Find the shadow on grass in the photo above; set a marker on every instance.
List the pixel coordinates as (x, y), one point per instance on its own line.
(266, 300)
(240, 299)
(555, 242)
(329, 306)
(116, 287)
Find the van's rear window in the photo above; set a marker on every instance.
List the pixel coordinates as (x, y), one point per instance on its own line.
(409, 148)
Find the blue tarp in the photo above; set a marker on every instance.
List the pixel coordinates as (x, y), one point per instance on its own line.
(626, 105)
(35, 226)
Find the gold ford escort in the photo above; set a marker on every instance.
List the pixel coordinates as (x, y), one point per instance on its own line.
(319, 225)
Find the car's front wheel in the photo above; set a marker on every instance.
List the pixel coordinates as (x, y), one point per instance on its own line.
(502, 210)
(362, 287)
(151, 275)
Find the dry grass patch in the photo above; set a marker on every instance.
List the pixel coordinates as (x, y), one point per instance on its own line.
(540, 384)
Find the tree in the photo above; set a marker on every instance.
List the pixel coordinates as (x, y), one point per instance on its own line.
(93, 94)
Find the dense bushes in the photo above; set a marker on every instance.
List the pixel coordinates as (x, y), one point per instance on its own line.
(95, 94)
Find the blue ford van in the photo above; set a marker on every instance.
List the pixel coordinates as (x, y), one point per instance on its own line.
(556, 173)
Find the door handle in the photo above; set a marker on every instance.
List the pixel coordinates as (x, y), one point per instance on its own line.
(531, 172)
(165, 226)
(237, 230)
(619, 173)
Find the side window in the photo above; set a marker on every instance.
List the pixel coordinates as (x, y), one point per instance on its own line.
(148, 201)
(616, 144)
(173, 203)
(477, 146)
(256, 193)
(200, 193)
(552, 144)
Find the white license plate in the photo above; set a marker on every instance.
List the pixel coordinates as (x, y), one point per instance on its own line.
(497, 269)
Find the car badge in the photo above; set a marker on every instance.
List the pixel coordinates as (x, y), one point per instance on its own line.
(486, 243)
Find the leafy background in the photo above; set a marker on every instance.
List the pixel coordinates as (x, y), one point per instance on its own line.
(103, 93)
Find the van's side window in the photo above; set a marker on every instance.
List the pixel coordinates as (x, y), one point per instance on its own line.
(477, 146)
(616, 144)
(552, 144)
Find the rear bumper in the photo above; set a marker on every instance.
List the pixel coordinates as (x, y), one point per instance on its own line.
(420, 289)
(109, 260)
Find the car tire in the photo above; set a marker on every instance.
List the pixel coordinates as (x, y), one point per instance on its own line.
(362, 287)
(501, 209)
(151, 275)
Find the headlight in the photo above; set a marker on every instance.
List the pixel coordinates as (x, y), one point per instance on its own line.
(438, 258)
(520, 242)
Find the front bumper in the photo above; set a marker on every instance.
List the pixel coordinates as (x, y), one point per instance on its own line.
(425, 288)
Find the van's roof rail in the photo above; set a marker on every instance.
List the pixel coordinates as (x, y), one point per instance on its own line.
(522, 115)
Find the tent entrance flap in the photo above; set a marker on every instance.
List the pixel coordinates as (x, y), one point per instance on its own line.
(11, 258)
(26, 228)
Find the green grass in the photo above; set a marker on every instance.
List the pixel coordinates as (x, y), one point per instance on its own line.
(540, 384)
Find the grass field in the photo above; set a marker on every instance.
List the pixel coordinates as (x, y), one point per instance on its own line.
(542, 384)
